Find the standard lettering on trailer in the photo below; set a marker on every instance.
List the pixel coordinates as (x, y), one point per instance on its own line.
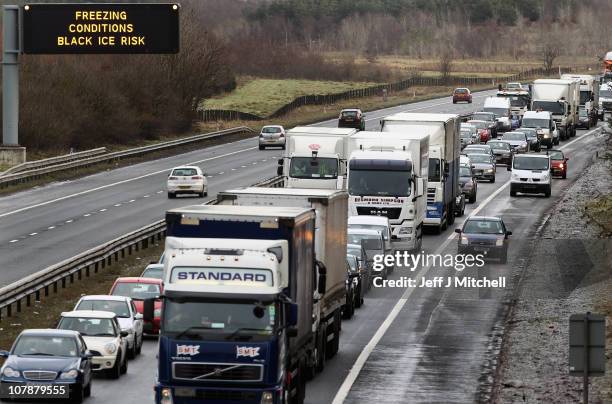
(234, 275)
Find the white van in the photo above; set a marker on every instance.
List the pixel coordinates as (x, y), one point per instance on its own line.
(544, 125)
(501, 107)
(530, 174)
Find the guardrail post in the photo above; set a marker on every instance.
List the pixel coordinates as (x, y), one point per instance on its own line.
(37, 297)
(55, 287)
(19, 306)
(96, 268)
(116, 256)
(46, 290)
(28, 300)
(130, 249)
(109, 260)
(9, 310)
(80, 274)
(71, 279)
(145, 243)
(64, 283)
(87, 271)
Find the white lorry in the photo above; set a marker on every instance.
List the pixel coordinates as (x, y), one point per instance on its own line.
(444, 148)
(561, 98)
(387, 175)
(589, 95)
(519, 97)
(330, 249)
(501, 107)
(315, 157)
(605, 99)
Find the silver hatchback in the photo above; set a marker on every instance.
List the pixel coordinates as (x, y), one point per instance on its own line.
(272, 135)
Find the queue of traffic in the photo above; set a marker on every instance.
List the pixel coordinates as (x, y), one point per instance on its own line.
(249, 296)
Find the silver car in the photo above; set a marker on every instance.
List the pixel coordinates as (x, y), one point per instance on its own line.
(483, 166)
(272, 135)
(518, 141)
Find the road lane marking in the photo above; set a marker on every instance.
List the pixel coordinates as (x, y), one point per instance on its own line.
(350, 379)
(69, 221)
(50, 227)
(103, 210)
(88, 191)
(33, 234)
(13, 241)
(87, 215)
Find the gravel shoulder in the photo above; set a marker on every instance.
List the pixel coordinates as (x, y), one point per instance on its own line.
(569, 270)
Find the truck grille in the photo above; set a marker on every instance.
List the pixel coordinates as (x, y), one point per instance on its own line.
(223, 395)
(391, 213)
(431, 195)
(606, 105)
(39, 375)
(218, 371)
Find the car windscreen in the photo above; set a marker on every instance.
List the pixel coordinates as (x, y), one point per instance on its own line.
(529, 163)
(551, 106)
(480, 158)
(184, 172)
(270, 129)
(45, 346)
(475, 226)
(556, 155)
(514, 136)
(497, 111)
(135, 290)
(352, 261)
(91, 327)
(499, 145)
(382, 229)
(308, 167)
(465, 172)
(535, 123)
(461, 91)
(353, 238)
(156, 273)
(477, 150)
(582, 113)
(121, 309)
(465, 134)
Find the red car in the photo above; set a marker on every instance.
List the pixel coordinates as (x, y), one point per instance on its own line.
(558, 163)
(462, 94)
(483, 129)
(140, 289)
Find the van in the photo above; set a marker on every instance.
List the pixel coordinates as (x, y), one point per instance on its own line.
(544, 125)
(530, 174)
(501, 107)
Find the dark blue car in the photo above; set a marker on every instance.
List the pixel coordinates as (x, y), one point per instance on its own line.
(484, 235)
(49, 358)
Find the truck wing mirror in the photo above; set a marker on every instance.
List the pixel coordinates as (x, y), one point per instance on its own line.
(509, 167)
(420, 187)
(322, 277)
(148, 307)
(279, 170)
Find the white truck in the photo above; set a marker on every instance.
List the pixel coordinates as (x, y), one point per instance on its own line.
(589, 95)
(501, 107)
(605, 99)
(561, 98)
(519, 97)
(315, 157)
(330, 250)
(387, 175)
(444, 148)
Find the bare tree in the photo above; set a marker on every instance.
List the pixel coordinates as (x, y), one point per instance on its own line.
(446, 63)
(550, 51)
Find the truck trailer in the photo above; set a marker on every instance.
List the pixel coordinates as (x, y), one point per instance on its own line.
(444, 148)
(589, 95)
(236, 323)
(330, 251)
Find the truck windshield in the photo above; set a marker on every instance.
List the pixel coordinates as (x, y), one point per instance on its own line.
(517, 100)
(308, 167)
(219, 320)
(552, 106)
(379, 183)
(535, 123)
(497, 111)
(434, 170)
(585, 96)
(530, 163)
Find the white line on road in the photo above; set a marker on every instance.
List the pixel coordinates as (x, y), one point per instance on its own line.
(50, 227)
(33, 234)
(13, 241)
(103, 210)
(87, 215)
(69, 221)
(117, 205)
(132, 200)
(348, 382)
(118, 183)
(146, 196)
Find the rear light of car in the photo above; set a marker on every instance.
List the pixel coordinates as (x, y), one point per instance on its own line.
(196, 177)
(173, 178)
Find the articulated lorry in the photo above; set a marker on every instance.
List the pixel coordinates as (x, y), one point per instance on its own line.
(387, 175)
(444, 148)
(589, 95)
(330, 251)
(236, 323)
(315, 157)
(561, 98)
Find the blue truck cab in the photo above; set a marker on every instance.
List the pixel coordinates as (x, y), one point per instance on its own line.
(235, 326)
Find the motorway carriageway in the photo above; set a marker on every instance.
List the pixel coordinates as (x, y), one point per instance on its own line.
(403, 345)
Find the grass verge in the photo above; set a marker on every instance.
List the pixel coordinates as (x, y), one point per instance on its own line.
(264, 96)
(45, 313)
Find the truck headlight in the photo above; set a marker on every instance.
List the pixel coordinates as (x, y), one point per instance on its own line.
(165, 396)
(8, 372)
(267, 398)
(71, 374)
(110, 348)
(405, 230)
(499, 242)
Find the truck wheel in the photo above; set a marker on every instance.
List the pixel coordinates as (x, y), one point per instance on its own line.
(451, 217)
(321, 355)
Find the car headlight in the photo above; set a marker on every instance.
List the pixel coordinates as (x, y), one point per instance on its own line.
(547, 135)
(8, 372)
(464, 240)
(157, 313)
(499, 242)
(489, 170)
(405, 230)
(71, 374)
(110, 348)
(514, 176)
(267, 398)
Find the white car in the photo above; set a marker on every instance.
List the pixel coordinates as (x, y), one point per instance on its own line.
(187, 180)
(530, 174)
(127, 315)
(272, 135)
(103, 335)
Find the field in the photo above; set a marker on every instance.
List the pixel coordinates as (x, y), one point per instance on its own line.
(264, 96)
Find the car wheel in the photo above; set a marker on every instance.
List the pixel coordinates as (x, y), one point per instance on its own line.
(547, 193)
(261, 147)
(115, 371)
(77, 394)
(492, 180)
(139, 346)
(132, 352)
(171, 195)
(200, 194)
(358, 299)
(124, 367)
(87, 390)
